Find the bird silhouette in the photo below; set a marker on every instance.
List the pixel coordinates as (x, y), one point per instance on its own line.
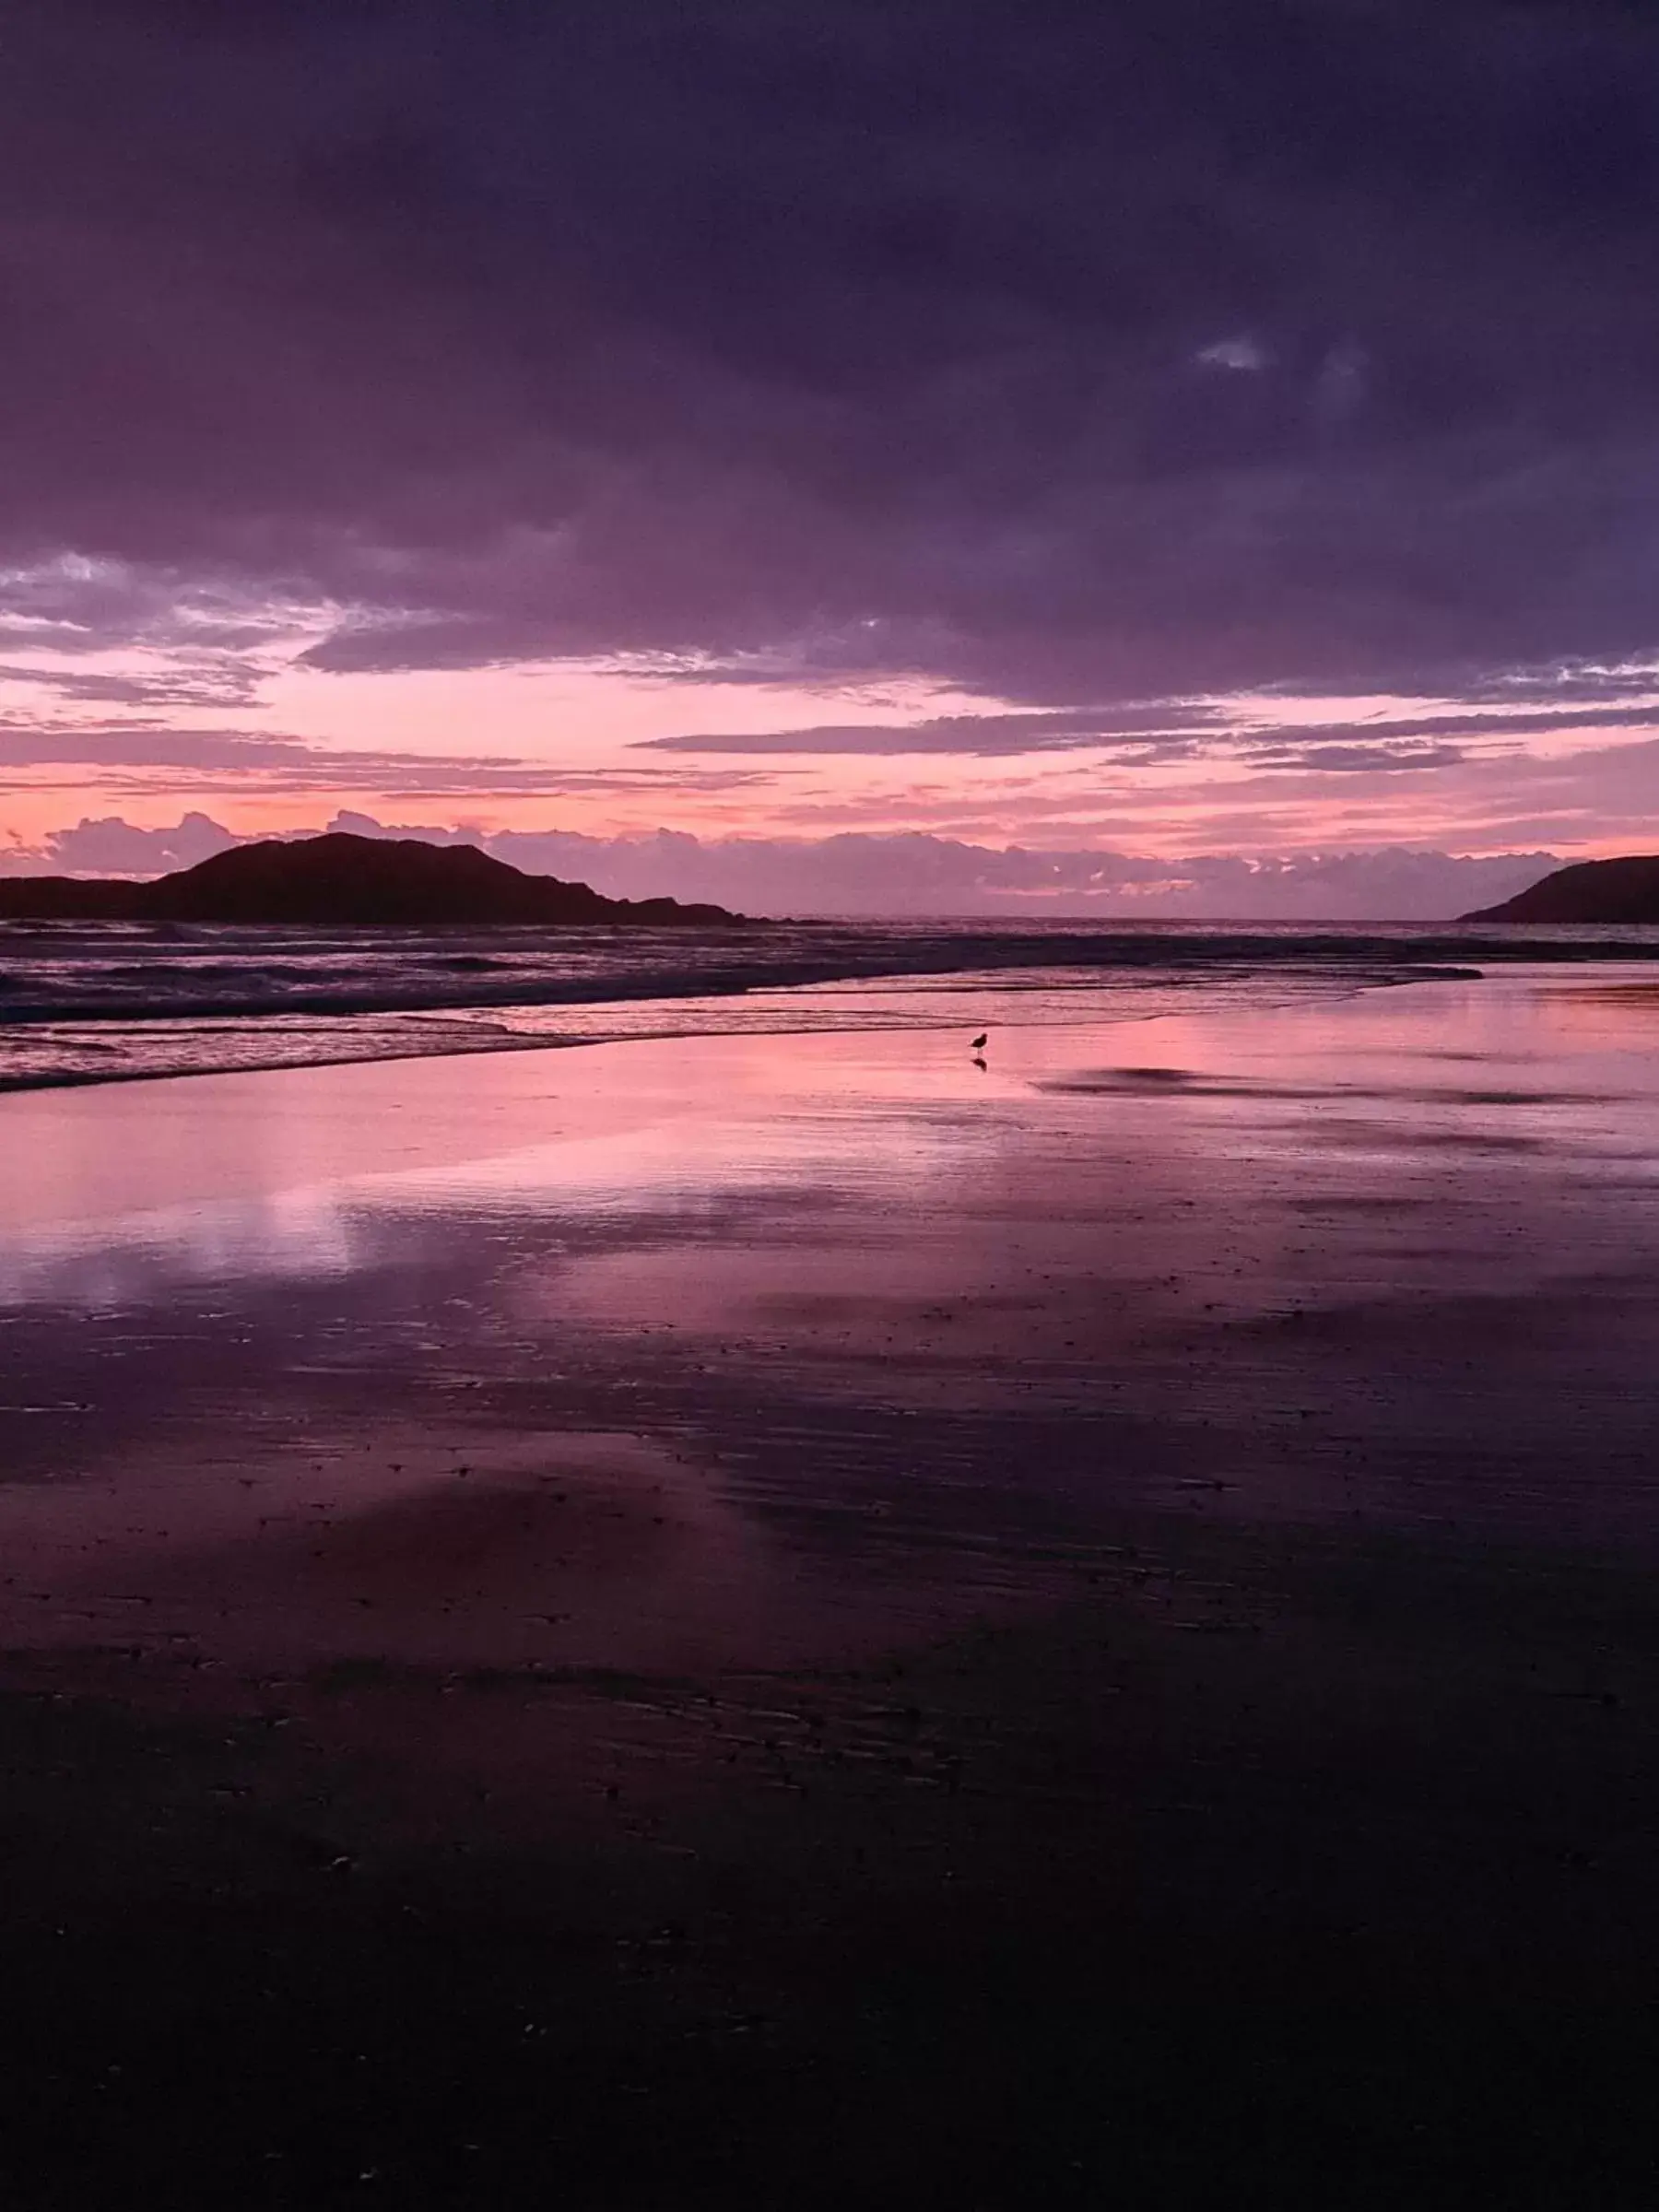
(979, 1042)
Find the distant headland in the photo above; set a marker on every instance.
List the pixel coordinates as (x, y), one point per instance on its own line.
(1591, 890)
(344, 880)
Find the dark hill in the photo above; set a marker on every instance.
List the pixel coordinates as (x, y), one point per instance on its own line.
(342, 879)
(1591, 890)
(67, 898)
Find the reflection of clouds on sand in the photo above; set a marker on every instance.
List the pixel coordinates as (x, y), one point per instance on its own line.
(309, 1235)
(667, 1170)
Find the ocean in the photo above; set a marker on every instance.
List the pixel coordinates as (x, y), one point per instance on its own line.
(90, 1003)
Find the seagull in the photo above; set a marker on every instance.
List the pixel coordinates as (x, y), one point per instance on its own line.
(979, 1042)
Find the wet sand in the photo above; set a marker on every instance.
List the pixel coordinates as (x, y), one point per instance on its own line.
(789, 1620)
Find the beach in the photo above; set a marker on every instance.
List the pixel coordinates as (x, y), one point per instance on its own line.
(764, 1618)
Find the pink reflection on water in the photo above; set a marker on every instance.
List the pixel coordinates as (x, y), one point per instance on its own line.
(1220, 1240)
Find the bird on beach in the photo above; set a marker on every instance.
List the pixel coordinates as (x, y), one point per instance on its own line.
(980, 1041)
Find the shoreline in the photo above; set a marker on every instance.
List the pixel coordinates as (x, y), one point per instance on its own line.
(919, 1024)
(996, 987)
(102, 1031)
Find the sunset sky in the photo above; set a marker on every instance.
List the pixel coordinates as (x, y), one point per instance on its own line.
(1171, 437)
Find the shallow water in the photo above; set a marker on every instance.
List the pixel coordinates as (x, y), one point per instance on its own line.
(751, 1349)
(97, 1003)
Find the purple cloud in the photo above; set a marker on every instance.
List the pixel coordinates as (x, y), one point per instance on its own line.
(223, 681)
(1150, 732)
(1146, 728)
(113, 847)
(136, 752)
(913, 873)
(844, 337)
(1358, 760)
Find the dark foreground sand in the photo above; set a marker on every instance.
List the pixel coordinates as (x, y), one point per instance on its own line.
(788, 1622)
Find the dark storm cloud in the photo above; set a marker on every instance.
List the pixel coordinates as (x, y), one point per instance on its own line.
(1062, 350)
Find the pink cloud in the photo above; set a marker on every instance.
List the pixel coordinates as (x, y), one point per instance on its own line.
(914, 873)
